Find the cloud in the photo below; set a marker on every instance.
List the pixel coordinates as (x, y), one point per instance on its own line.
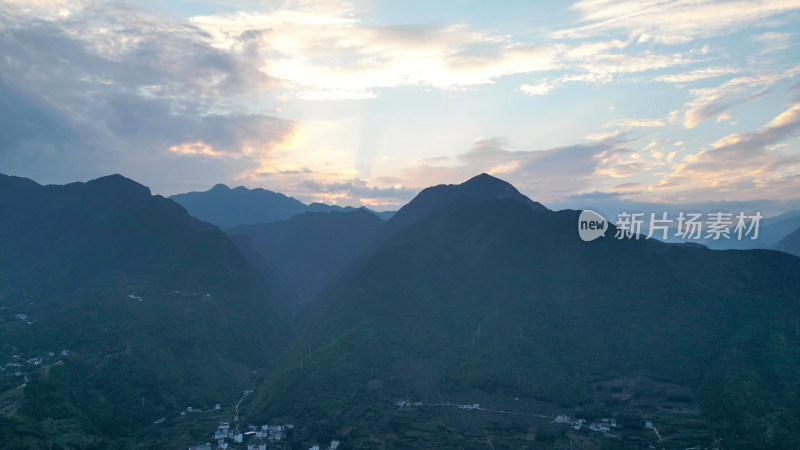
(98, 87)
(331, 54)
(695, 75)
(774, 41)
(603, 68)
(741, 164)
(358, 190)
(541, 88)
(709, 102)
(634, 123)
(671, 22)
(543, 174)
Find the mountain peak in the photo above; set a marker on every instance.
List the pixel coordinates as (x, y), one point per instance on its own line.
(484, 178)
(119, 184)
(485, 186)
(220, 187)
(479, 187)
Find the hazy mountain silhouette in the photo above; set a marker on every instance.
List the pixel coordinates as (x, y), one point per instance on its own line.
(771, 231)
(310, 249)
(228, 207)
(790, 244)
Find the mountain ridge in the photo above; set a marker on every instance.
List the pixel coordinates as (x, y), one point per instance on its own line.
(228, 207)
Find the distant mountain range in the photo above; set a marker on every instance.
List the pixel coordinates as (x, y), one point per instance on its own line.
(771, 231)
(228, 207)
(790, 243)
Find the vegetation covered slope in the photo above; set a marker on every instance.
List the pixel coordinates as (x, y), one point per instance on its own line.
(155, 309)
(495, 299)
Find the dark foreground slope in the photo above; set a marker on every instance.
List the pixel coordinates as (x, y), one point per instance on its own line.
(498, 303)
(153, 310)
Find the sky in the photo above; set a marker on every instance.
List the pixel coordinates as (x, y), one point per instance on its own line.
(630, 102)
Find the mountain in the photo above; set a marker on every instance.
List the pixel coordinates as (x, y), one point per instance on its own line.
(771, 230)
(497, 302)
(432, 199)
(310, 249)
(790, 244)
(385, 215)
(228, 207)
(120, 308)
(776, 228)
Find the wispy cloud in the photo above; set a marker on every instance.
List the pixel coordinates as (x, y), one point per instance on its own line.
(774, 41)
(709, 102)
(634, 123)
(695, 75)
(671, 22)
(741, 164)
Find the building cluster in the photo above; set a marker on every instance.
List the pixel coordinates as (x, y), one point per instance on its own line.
(16, 367)
(603, 425)
(192, 409)
(256, 438)
(334, 445)
(407, 403)
(24, 318)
